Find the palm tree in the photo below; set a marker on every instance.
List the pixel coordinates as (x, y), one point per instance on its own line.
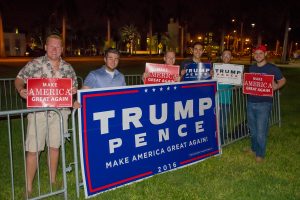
(221, 19)
(183, 19)
(129, 33)
(152, 12)
(279, 23)
(165, 40)
(290, 21)
(109, 9)
(65, 10)
(69, 11)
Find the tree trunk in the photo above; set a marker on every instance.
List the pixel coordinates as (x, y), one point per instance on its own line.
(64, 35)
(222, 40)
(2, 45)
(259, 39)
(228, 41)
(242, 38)
(150, 37)
(131, 47)
(182, 41)
(290, 50)
(108, 32)
(285, 41)
(277, 46)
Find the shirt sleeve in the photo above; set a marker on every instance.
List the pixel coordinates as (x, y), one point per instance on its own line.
(90, 80)
(124, 82)
(26, 72)
(277, 74)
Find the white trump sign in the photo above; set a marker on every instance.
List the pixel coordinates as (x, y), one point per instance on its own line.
(228, 73)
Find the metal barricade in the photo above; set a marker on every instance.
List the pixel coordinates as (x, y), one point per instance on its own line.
(13, 157)
(232, 116)
(80, 81)
(9, 97)
(134, 79)
(75, 150)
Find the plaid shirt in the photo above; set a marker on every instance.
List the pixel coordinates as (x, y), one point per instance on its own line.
(41, 68)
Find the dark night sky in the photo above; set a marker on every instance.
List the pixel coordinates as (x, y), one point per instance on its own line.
(200, 16)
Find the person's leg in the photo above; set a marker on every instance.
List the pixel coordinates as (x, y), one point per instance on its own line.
(31, 166)
(263, 114)
(35, 142)
(251, 120)
(53, 163)
(55, 141)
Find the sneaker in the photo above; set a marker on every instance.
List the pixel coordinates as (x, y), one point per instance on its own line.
(259, 159)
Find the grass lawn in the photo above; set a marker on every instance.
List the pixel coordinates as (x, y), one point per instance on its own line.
(233, 175)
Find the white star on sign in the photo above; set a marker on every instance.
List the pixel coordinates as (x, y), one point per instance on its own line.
(175, 87)
(153, 89)
(161, 88)
(168, 88)
(146, 90)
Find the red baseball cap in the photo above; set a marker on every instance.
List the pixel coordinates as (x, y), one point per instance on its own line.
(263, 48)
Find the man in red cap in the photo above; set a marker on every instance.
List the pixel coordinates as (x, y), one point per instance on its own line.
(259, 107)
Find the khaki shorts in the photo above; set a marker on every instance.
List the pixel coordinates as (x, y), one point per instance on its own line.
(45, 130)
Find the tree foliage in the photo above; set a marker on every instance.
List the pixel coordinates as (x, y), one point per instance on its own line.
(129, 34)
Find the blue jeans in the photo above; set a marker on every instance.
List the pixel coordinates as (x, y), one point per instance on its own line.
(258, 122)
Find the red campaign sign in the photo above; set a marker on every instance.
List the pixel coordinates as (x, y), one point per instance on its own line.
(49, 92)
(161, 73)
(258, 84)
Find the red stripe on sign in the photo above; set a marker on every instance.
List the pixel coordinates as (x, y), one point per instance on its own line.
(121, 181)
(199, 157)
(197, 85)
(112, 93)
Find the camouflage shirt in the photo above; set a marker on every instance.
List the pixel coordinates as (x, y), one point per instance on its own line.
(41, 68)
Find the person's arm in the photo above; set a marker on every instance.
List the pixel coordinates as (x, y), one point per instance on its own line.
(20, 87)
(76, 104)
(85, 87)
(145, 75)
(280, 83)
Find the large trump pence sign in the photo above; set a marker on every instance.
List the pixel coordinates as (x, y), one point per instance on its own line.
(131, 133)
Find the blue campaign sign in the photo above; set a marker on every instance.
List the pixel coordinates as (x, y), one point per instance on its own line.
(131, 133)
(197, 71)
